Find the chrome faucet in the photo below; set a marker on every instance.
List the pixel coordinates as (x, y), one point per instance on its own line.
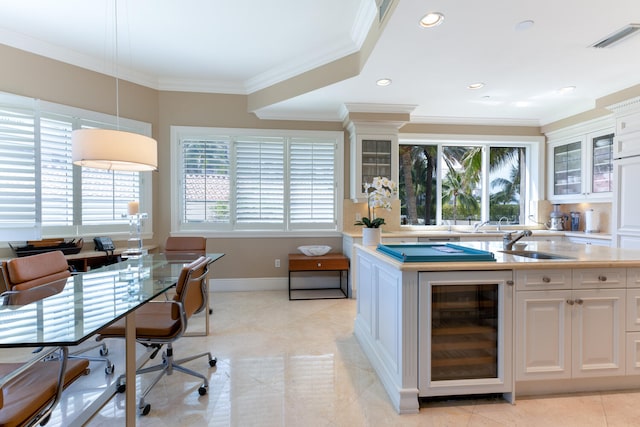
(477, 226)
(500, 222)
(508, 240)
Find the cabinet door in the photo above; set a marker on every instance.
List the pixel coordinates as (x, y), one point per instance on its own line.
(598, 333)
(566, 161)
(372, 155)
(601, 164)
(543, 335)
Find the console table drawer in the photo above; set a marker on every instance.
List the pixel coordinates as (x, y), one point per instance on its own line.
(318, 263)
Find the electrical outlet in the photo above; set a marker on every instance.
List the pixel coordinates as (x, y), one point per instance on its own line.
(277, 263)
(358, 216)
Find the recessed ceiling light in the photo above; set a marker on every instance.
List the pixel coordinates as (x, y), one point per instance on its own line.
(477, 85)
(431, 19)
(566, 89)
(383, 82)
(524, 25)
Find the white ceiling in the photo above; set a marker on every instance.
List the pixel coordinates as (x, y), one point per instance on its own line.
(241, 46)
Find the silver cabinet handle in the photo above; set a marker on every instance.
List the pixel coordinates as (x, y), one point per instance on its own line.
(546, 279)
(510, 282)
(570, 302)
(602, 278)
(579, 301)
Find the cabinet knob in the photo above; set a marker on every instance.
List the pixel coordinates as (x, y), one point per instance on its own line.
(510, 282)
(602, 278)
(570, 301)
(546, 279)
(579, 301)
(319, 264)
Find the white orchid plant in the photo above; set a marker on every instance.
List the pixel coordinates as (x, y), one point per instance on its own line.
(379, 192)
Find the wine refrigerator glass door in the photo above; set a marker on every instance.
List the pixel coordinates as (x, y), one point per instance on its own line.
(462, 348)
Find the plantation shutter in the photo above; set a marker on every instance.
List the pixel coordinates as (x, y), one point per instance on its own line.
(107, 193)
(56, 170)
(19, 176)
(260, 182)
(312, 183)
(206, 181)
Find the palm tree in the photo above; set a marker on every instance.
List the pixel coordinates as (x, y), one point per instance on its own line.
(456, 188)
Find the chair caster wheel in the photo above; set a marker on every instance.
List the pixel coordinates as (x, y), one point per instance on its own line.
(121, 388)
(144, 410)
(109, 369)
(213, 362)
(202, 390)
(104, 351)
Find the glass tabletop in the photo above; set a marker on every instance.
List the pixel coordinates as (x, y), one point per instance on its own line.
(70, 311)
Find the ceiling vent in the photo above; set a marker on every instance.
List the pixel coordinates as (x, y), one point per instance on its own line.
(620, 35)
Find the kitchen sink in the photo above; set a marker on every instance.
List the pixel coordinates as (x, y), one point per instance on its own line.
(536, 255)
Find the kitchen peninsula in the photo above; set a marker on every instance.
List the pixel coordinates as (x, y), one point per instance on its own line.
(566, 320)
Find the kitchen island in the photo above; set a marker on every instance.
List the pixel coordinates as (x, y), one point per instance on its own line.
(568, 323)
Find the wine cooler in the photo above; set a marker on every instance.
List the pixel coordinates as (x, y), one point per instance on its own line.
(465, 326)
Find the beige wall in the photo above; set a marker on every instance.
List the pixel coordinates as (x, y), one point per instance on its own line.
(38, 77)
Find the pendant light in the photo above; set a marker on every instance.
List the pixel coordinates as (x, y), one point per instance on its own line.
(114, 149)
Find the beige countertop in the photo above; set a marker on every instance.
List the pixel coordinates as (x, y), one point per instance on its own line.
(578, 256)
(482, 233)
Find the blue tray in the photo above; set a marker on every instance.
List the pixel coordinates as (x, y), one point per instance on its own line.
(434, 252)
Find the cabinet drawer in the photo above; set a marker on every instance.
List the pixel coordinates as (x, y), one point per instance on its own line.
(320, 263)
(633, 278)
(528, 280)
(599, 278)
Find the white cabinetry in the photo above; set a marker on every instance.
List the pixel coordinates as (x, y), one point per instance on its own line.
(570, 323)
(633, 321)
(374, 152)
(580, 162)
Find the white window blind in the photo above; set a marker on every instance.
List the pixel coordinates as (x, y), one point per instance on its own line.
(312, 182)
(205, 183)
(260, 182)
(18, 174)
(56, 170)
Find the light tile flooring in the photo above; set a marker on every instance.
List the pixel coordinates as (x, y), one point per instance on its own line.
(297, 363)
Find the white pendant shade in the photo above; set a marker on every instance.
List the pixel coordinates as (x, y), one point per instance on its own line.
(114, 149)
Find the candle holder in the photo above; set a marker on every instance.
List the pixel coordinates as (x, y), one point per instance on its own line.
(134, 243)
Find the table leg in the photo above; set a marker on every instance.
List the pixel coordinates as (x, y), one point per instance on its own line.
(130, 370)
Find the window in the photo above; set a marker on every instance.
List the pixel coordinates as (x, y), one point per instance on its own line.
(256, 180)
(465, 182)
(42, 193)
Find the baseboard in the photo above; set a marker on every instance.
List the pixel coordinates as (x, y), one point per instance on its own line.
(251, 284)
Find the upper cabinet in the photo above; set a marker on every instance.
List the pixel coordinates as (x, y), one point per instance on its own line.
(374, 152)
(580, 162)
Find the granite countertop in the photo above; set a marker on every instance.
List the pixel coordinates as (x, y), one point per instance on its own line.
(577, 256)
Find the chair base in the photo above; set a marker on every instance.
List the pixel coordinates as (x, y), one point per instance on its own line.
(168, 365)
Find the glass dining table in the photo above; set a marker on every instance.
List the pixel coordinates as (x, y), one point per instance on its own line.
(69, 312)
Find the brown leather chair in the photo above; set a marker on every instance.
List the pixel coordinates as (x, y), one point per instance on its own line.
(35, 270)
(160, 323)
(30, 391)
(177, 247)
(185, 245)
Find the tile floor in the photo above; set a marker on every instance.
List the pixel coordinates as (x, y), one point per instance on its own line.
(297, 363)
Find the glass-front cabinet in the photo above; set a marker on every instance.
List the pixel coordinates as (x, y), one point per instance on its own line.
(372, 155)
(580, 163)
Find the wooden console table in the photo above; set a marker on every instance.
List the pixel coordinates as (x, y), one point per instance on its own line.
(329, 262)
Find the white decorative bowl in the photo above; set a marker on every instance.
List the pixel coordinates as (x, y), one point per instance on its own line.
(519, 246)
(314, 250)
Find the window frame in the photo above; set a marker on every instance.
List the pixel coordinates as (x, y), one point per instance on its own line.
(179, 133)
(534, 163)
(77, 118)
